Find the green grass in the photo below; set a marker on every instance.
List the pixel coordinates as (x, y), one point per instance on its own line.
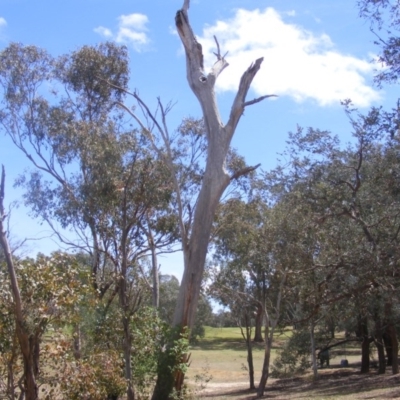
(222, 355)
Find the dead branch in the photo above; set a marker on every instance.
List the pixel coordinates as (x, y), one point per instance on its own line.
(243, 172)
(239, 102)
(258, 99)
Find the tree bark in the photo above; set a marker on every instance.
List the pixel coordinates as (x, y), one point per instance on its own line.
(25, 339)
(387, 340)
(258, 337)
(124, 304)
(269, 337)
(215, 179)
(363, 331)
(130, 393)
(392, 334)
(249, 352)
(331, 327)
(379, 345)
(314, 362)
(395, 348)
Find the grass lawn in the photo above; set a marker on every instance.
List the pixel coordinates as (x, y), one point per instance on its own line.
(222, 356)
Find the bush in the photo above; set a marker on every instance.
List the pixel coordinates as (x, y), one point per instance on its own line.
(294, 357)
(97, 378)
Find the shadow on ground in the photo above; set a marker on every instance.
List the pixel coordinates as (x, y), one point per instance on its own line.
(224, 344)
(331, 383)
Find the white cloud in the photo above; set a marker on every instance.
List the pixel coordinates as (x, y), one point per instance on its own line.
(131, 30)
(3, 24)
(135, 21)
(297, 63)
(101, 30)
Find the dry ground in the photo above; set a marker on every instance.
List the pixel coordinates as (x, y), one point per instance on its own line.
(333, 384)
(222, 357)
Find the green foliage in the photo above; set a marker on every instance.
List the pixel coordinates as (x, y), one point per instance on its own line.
(384, 17)
(99, 75)
(52, 289)
(172, 360)
(294, 357)
(98, 377)
(148, 336)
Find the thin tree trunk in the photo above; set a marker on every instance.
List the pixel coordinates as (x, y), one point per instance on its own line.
(379, 345)
(365, 351)
(269, 337)
(127, 341)
(156, 278)
(391, 331)
(395, 348)
(258, 337)
(331, 327)
(388, 347)
(30, 386)
(24, 338)
(154, 266)
(10, 368)
(127, 357)
(270, 325)
(314, 361)
(249, 347)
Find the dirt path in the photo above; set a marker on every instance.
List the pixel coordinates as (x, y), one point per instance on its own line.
(344, 384)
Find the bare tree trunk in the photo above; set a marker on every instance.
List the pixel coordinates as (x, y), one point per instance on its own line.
(379, 345)
(258, 337)
(395, 349)
(130, 393)
(269, 336)
(215, 180)
(10, 368)
(391, 332)
(331, 326)
(124, 304)
(156, 278)
(314, 361)
(270, 325)
(363, 331)
(387, 340)
(249, 347)
(154, 266)
(24, 338)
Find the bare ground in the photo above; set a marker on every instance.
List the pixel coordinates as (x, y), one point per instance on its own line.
(344, 384)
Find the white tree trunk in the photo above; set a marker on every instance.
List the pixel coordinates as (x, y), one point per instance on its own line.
(216, 179)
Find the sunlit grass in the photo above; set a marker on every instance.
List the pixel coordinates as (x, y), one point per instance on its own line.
(222, 354)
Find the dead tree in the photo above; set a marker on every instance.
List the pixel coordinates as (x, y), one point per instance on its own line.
(195, 238)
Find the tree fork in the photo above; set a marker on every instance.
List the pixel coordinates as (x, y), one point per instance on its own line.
(215, 181)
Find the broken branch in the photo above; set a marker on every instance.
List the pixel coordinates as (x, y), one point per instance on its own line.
(243, 171)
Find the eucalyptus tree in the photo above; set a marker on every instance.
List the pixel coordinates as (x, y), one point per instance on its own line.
(231, 289)
(196, 229)
(384, 16)
(252, 247)
(350, 198)
(35, 294)
(93, 173)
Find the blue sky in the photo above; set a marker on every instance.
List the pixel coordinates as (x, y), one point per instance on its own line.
(316, 53)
